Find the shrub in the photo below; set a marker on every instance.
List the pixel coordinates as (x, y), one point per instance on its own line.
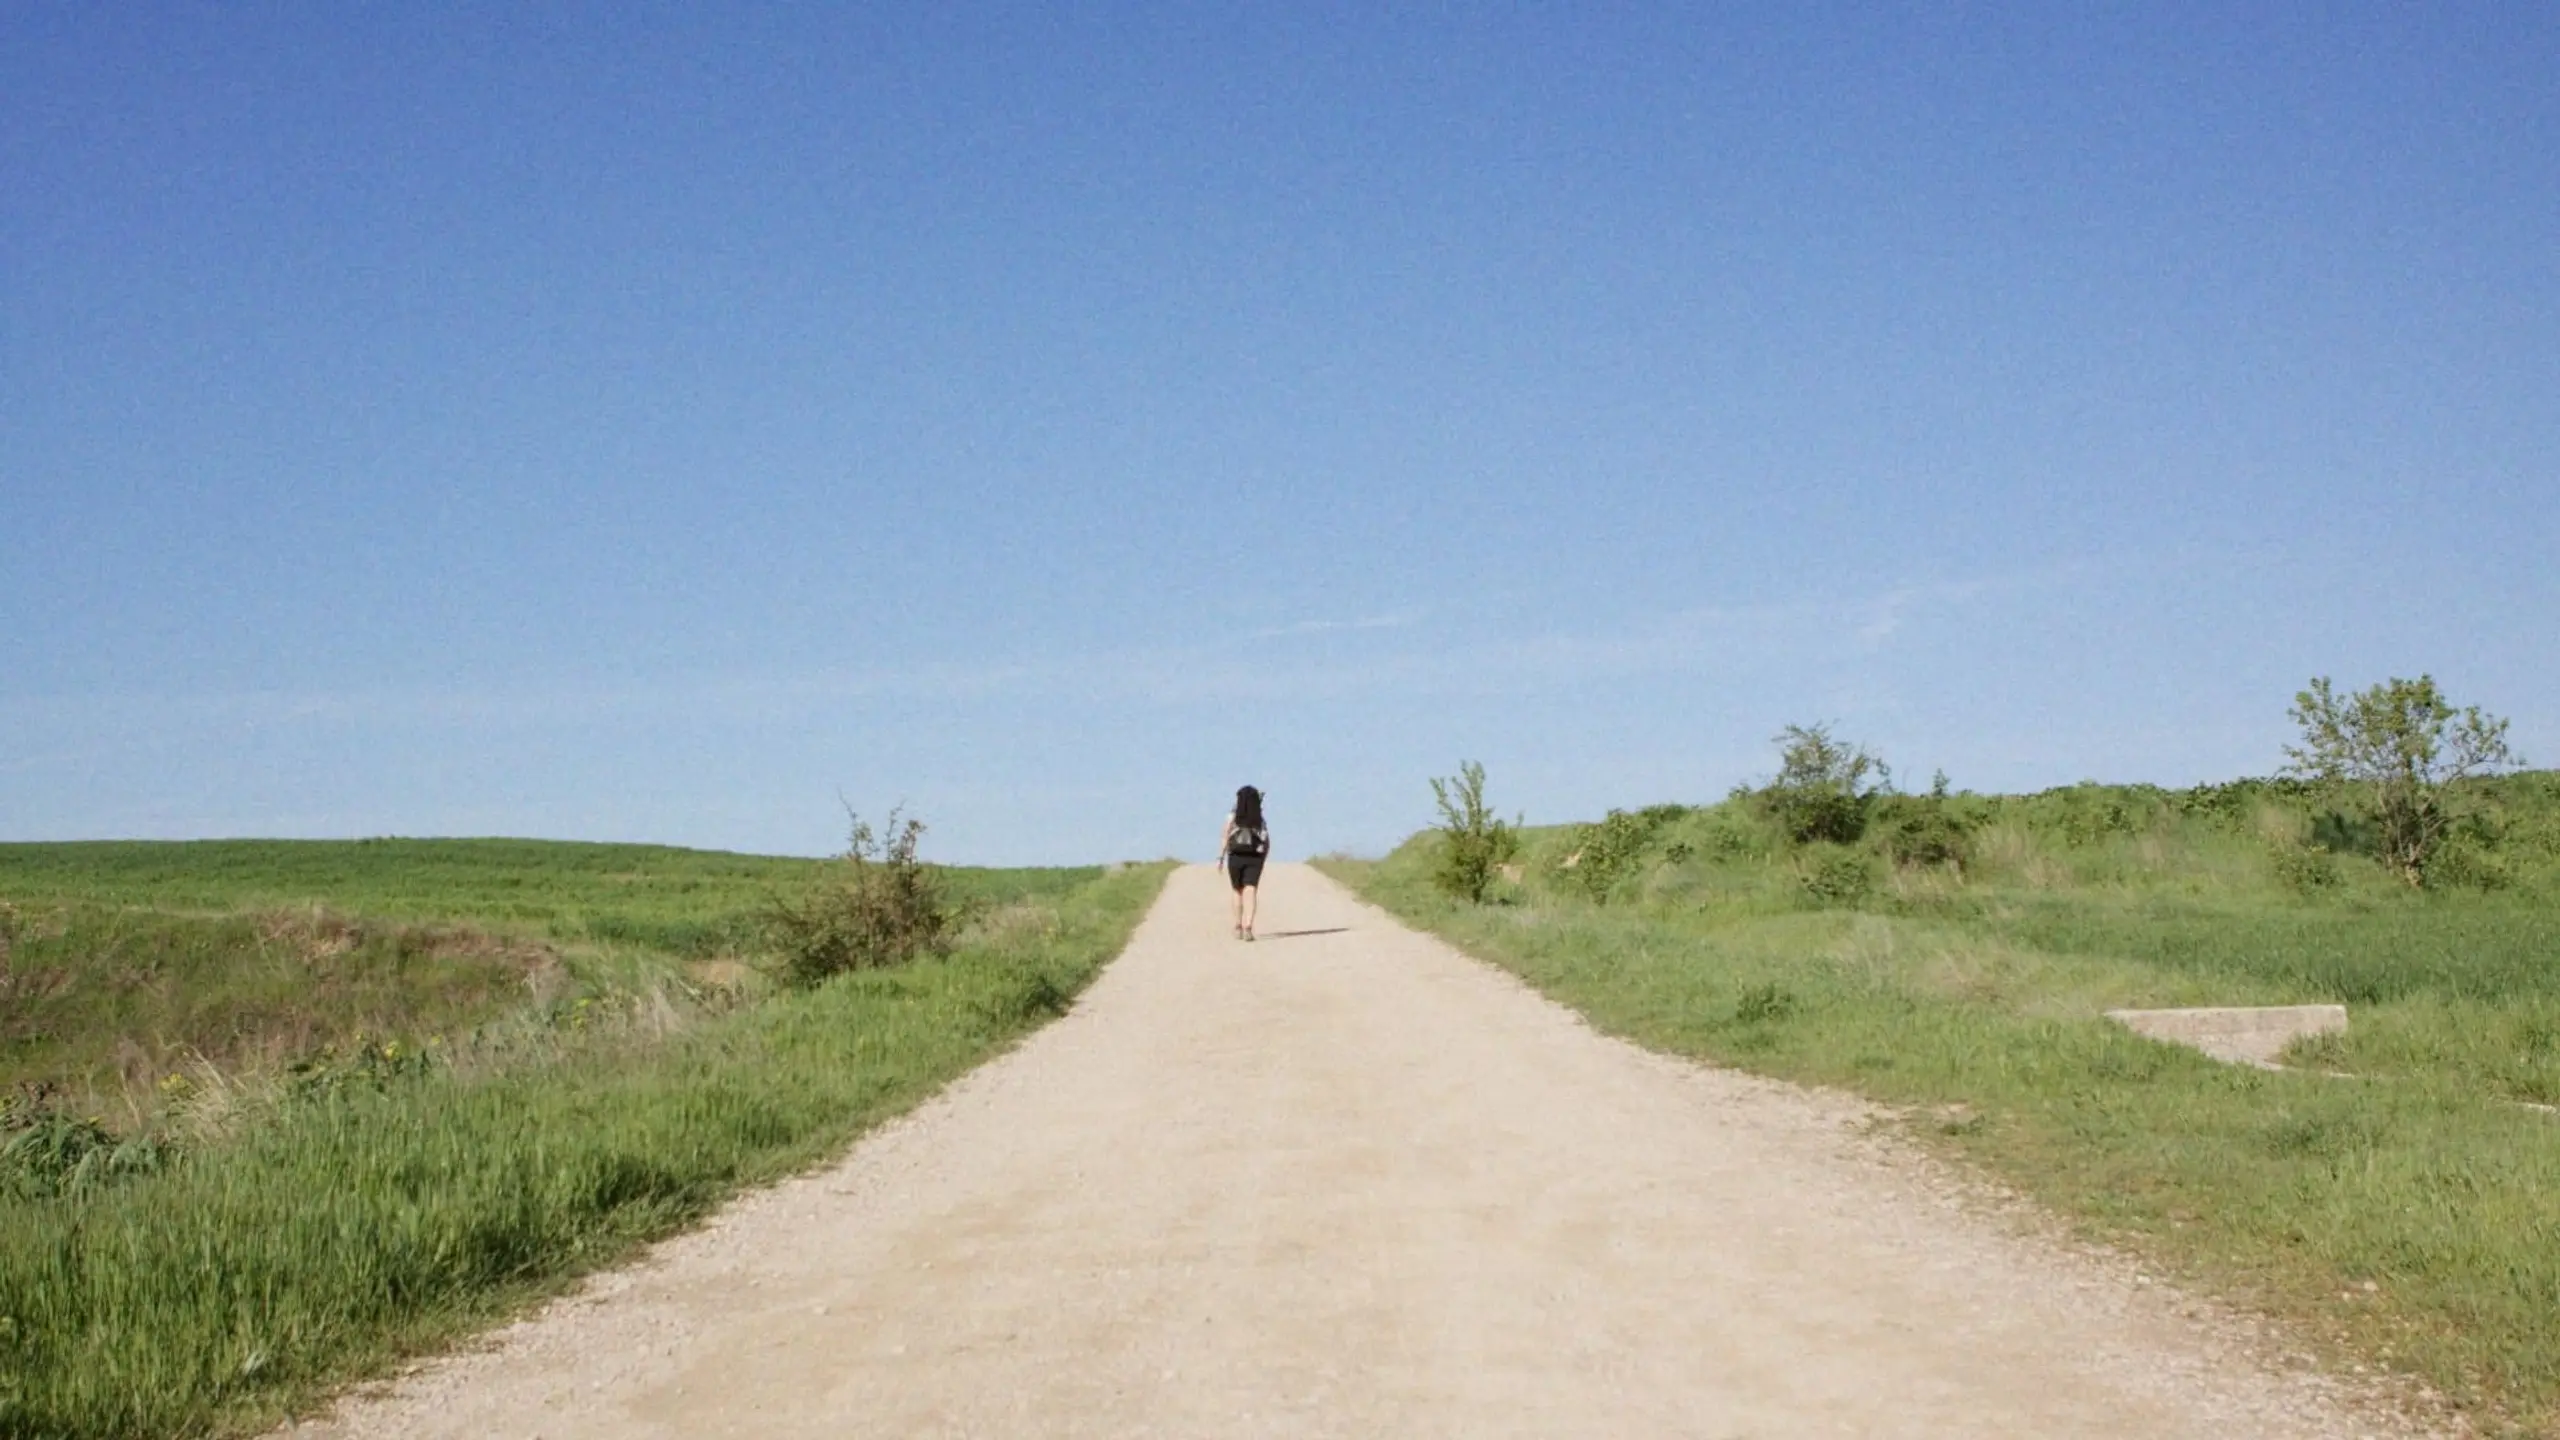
(883, 906)
(2399, 747)
(1923, 830)
(2466, 862)
(1474, 842)
(2306, 869)
(1825, 786)
(1608, 852)
(2233, 803)
(1735, 832)
(2340, 833)
(2090, 813)
(1835, 875)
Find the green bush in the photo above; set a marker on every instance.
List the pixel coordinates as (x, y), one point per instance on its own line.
(1922, 830)
(2232, 803)
(2401, 752)
(1835, 874)
(1732, 832)
(2468, 862)
(2090, 813)
(2305, 869)
(882, 907)
(1474, 842)
(1610, 851)
(1824, 788)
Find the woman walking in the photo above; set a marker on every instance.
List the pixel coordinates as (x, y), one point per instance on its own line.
(1242, 846)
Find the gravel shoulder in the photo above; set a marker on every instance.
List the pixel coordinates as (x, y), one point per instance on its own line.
(1345, 1181)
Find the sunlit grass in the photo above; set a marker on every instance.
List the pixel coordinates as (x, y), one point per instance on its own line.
(122, 964)
(359, 1212)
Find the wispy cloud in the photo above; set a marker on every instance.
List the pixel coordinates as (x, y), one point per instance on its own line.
(1321, 627)
(1883, 619)
(1421, 655)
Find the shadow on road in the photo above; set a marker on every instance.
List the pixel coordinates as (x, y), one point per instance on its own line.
(1291, 934)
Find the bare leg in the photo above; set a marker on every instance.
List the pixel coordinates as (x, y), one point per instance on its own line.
(1244, 909)
(1235, 916)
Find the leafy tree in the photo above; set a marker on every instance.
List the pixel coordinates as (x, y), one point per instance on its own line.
(1475, 843)
(1825, 786)
(2401, 745)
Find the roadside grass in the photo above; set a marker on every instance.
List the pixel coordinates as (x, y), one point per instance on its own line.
(2406, 1219)
(482, 880)
(114, 1006)
(126, 967)
(297, 1016)
(370, 1218)
(695, 903)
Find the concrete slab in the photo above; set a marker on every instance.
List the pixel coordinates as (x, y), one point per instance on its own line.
(2241, 1034)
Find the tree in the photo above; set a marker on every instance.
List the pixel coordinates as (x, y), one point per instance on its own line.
(1825, 785)
(2402, 745)
(1475, 843)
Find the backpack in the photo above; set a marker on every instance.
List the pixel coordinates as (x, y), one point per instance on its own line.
(1248, 841)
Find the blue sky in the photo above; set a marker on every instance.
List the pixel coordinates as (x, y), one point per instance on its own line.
(655, 423)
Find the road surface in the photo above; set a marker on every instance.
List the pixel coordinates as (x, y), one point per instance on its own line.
(1345, 1182)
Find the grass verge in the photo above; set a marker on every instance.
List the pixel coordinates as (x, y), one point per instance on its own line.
(695, 903)
(362, 1222)
(2409, 1220)
(127, 966)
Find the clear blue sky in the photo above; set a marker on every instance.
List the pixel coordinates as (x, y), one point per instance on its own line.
(649, 422)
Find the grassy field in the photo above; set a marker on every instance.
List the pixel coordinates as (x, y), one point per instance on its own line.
(422, 1131)
(2406, 1218)
(125, 966)
(691, 902)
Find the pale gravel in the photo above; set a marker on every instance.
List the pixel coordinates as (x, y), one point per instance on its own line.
(1352, 1183)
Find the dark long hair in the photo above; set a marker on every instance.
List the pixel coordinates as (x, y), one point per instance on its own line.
(1249, 807)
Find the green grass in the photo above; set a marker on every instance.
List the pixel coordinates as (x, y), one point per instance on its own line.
(123, 964)
(369, 1211)
(2407, 1218)
(689, 902)
(108, 1005)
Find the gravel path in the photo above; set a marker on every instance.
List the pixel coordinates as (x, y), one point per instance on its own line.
(1344, 1181)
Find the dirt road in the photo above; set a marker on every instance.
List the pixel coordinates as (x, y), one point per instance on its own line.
(1345, 1182)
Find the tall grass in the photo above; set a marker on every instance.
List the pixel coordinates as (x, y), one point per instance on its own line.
(362, 1222)
(690, 902)
(2406, 1218)
(125, 963)
(110, 1002)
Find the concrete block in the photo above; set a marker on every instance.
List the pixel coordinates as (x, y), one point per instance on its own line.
(2241, 1034)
